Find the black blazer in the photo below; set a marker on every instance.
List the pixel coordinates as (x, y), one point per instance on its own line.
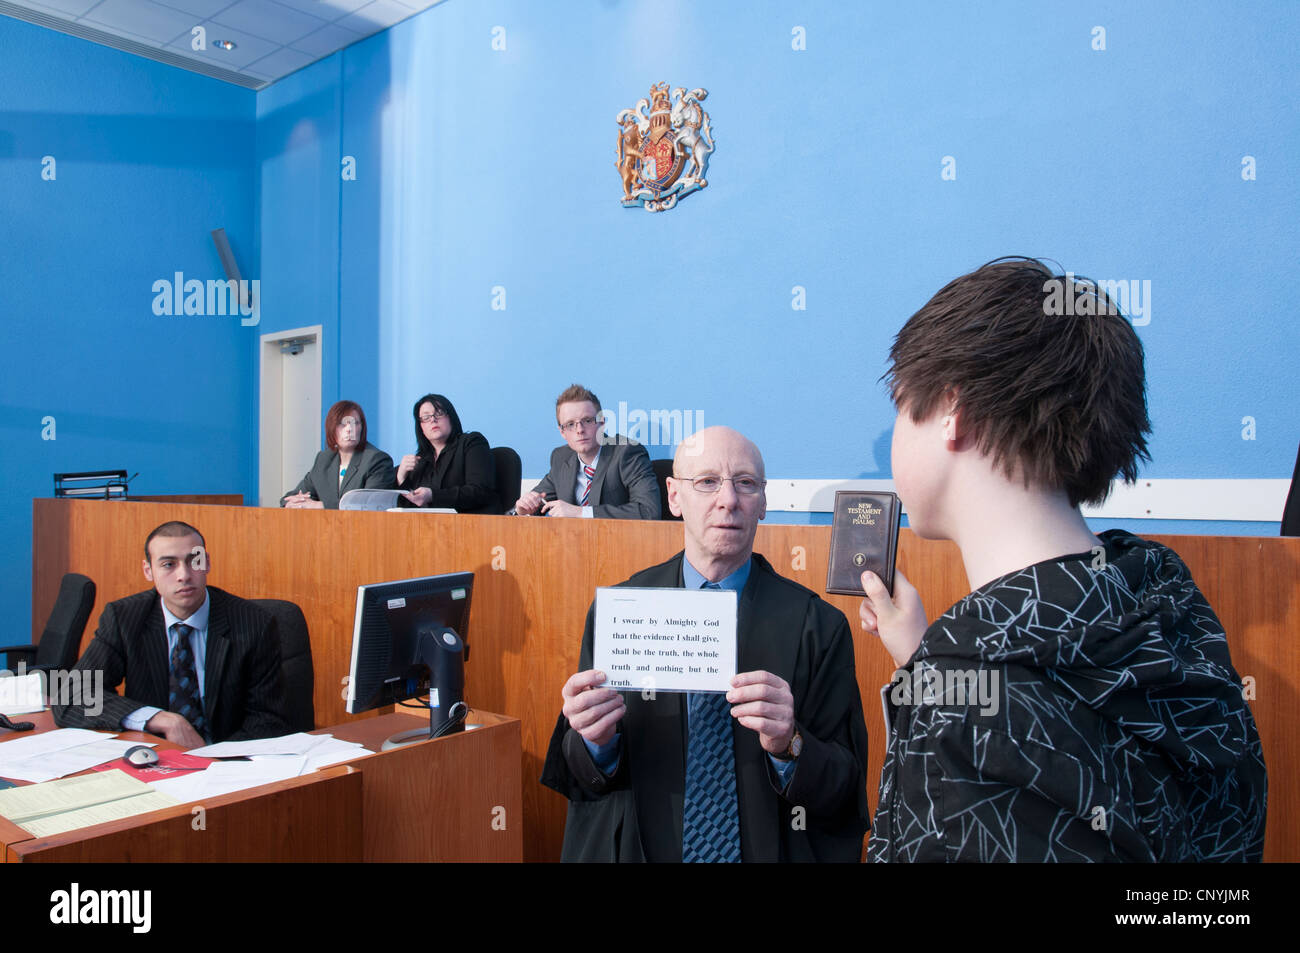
(464, 478)
(241, 680)
(370, 469)
(624, 486)
(636, 813)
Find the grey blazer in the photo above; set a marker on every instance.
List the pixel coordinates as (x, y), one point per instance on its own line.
(624, 486)
(370, 469)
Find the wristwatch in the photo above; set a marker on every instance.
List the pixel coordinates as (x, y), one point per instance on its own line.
(792, 750)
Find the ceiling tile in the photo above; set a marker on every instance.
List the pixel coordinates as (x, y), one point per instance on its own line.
(280, 63)
(325, 9)
(269, 20)
(376, 15)
(198, 8)
(247, 48)
(125, 34)
(143, 18)
(273, 37)
(71, 7)
(326, 40)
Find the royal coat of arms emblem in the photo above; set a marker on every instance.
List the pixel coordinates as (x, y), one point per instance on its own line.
(664, 144)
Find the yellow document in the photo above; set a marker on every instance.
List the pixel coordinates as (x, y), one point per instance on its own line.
(68, 803)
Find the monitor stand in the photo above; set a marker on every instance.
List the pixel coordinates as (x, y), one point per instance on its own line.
(443, 651)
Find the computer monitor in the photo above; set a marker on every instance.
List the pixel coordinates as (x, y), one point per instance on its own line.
(409, 639)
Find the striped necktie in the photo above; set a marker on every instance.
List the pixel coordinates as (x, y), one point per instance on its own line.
(183, 695)
(590, 472)
(710, 817)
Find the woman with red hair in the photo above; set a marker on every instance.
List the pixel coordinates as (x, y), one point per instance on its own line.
(349, 464)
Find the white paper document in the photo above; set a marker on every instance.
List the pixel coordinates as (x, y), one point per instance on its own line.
(47, 742)
(666, 640)
(21, 694)
(229, 776)
(58, 764)
(330, 751)
(299, 743)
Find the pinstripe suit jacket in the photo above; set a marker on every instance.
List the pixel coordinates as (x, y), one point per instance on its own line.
(242, 692)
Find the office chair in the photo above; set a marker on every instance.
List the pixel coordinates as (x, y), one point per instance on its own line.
(663, 470)
(510, 474)
(60, 643)
(1291, 511)
(295, 663)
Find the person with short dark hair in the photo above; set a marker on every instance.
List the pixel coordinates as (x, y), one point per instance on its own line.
(195, 663)
(592, 475)
(348, 463)
(450, 469)
(1080, 703)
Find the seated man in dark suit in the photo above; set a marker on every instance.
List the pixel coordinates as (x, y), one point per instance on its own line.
(199, 664)
(611, 478)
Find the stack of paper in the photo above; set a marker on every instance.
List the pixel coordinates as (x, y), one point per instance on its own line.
(298, 744)
(57, 806)
(227, 777)
(272, 759)
(329, 750)
(53, 754)
(21, 694)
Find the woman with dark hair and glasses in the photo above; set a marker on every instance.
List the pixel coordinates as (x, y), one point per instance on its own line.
(451, 469)
(349, 464)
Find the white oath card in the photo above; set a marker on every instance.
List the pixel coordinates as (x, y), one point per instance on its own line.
(665, 640)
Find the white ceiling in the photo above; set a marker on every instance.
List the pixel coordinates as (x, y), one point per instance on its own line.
(272, 37)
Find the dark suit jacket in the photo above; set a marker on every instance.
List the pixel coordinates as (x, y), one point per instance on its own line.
(624, 486)
(370, 469)
(241, 680)
(464, 477)
(636, 814)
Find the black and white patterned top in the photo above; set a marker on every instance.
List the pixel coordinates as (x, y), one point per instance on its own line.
(1080, 709)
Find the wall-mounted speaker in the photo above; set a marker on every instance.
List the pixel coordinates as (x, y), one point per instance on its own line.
(231, 267)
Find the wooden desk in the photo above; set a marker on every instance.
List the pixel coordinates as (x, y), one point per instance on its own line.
(454, 798)
(312, 818)
(534, 579)
(458, 798)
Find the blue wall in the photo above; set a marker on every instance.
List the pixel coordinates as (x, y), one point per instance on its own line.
(479, 168)
(147, 160)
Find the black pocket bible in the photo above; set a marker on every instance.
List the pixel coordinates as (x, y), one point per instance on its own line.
(864, 535)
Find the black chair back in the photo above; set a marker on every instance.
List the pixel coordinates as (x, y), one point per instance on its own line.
(1291, 511)
(60, 643)
(510, 474)
(663, 470)
(296, 670)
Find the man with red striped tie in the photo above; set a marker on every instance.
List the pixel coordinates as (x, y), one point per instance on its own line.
(610, 478)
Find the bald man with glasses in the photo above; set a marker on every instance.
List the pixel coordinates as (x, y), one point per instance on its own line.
(775, 770)
(591, 476)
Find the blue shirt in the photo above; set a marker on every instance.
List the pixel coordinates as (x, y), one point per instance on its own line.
(606, 756)
(198, 645)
